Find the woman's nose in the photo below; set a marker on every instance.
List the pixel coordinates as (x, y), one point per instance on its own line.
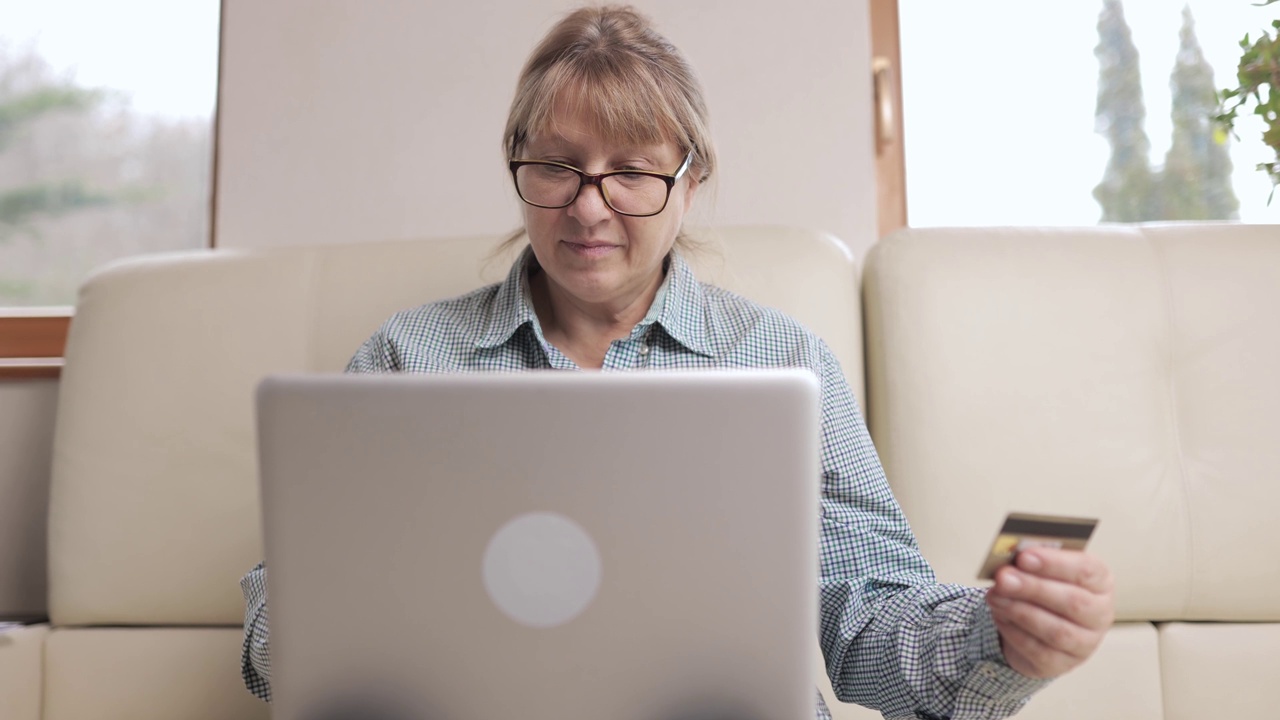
(589, 207)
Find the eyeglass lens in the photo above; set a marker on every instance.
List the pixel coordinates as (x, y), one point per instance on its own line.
(555, 186)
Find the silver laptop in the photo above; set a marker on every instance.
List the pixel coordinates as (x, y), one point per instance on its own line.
(542, 546)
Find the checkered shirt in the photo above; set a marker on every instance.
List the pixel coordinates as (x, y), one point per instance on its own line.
(894, 639)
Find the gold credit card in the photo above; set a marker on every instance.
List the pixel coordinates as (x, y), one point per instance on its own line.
(1022, 531)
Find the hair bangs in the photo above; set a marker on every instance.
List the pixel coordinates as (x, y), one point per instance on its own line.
(617, 100)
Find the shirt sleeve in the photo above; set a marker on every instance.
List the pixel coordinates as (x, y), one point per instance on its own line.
(378, 354)
(255, 656)
(893, 638)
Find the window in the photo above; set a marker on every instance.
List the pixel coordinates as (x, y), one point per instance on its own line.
(106, 142)
(999, 112)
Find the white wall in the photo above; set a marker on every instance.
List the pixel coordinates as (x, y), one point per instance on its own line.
(348, 120)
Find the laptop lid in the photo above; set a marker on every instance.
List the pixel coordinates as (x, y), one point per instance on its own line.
(631, 546)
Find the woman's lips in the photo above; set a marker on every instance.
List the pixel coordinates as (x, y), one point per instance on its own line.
(590, 249)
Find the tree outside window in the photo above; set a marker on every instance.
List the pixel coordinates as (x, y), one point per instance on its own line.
(97, 160)
(1021, 113)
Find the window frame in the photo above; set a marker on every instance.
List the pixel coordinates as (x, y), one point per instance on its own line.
(33, 341)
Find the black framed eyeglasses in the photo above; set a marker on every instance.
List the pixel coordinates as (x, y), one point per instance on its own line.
(636, 193)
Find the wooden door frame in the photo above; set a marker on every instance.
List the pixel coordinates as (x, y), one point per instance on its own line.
(886, 60)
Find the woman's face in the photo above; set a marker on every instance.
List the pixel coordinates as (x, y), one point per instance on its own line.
(595, 255)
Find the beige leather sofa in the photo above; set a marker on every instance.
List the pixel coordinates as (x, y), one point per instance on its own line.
(1124, 373)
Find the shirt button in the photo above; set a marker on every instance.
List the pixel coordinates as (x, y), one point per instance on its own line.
(644, 349)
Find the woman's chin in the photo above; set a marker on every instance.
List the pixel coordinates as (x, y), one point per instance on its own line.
(595, 288)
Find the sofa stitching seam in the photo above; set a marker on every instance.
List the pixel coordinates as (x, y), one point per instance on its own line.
(1166, 287)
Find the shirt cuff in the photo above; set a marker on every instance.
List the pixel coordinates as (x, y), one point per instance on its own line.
(992, 689)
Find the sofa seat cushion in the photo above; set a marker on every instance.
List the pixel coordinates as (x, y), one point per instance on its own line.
(147, 674)
(1120, 682)
(1220, 670)
(21, 661)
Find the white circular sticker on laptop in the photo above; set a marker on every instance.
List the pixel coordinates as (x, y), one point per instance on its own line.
(541, 569)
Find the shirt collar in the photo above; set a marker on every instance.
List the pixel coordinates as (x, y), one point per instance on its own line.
(682, 307)
(679, 307)
(512, 306)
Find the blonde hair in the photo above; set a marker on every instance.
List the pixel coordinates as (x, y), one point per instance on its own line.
(609, 64)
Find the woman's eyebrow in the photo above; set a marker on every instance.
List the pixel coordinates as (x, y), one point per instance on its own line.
(553, 146)
(543, 148)
(558, 145)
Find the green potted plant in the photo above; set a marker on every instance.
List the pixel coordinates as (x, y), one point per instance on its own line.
(1258, 76)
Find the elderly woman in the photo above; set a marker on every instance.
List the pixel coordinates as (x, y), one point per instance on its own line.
(608, 144)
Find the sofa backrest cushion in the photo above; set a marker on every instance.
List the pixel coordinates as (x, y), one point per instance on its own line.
(154, 504)
(1124, 373)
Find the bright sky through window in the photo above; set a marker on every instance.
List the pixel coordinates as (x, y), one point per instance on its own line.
(999, 105)
(109, 149)
(161, 52)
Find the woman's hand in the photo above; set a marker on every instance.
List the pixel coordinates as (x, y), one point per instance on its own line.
(1052, 610)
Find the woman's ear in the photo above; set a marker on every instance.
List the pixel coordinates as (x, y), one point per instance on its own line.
(690, 192)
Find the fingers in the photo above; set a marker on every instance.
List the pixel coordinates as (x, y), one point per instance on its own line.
(1069, 566)
(1052, 633)
(1027, 654)
(1052, 610)
(1073, 603)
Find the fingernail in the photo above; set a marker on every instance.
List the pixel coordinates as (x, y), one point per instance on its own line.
(1010, 581)
(1027, 561)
